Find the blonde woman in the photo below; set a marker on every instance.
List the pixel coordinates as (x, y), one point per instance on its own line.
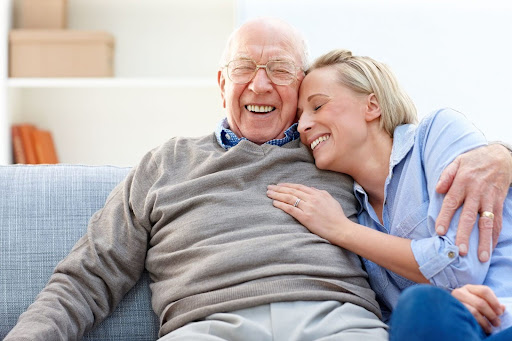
(357, 120)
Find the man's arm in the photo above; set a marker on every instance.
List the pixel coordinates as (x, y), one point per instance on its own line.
(100, 269)
(479, 179)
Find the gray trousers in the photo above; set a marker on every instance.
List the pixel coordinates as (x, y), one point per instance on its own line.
(287, 321)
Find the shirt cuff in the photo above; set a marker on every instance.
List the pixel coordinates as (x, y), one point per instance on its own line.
(434, 255)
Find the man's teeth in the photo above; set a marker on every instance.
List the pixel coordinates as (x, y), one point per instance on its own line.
(318, 140)
(260, 108)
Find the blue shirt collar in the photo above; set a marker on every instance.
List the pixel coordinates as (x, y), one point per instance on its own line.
(227, 139)
(403, 141)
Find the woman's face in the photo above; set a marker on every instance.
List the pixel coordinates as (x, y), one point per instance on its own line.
(331, 120)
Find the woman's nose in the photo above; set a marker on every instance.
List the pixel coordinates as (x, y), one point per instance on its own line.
(305, 123)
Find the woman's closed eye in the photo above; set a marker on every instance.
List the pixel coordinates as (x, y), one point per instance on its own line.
(317, 107)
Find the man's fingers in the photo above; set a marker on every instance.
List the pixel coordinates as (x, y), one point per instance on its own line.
(467, 221)
(451, 202)
(498, 221)
(485, 226)
(447, 176)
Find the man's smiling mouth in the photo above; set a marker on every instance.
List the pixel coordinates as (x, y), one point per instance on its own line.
(260, 108)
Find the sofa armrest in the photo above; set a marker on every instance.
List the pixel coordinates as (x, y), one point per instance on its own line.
(44, 210)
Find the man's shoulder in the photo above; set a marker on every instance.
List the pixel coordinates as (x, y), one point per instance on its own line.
(173, 150)
(177, 143)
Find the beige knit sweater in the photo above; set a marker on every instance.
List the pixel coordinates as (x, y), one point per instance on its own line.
(198, 219)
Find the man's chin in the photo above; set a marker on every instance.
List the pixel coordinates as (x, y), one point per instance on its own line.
(261, 139)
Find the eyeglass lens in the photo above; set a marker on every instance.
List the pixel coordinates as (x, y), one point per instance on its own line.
(279, 72)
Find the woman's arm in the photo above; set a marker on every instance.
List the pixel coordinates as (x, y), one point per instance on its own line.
(323, 215)
(442, 137)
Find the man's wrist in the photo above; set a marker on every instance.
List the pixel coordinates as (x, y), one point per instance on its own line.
(506, 145)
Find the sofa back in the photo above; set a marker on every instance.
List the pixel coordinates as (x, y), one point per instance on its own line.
(44, 210)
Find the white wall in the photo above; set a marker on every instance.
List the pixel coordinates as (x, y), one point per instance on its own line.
(446, 53)
(5, 150)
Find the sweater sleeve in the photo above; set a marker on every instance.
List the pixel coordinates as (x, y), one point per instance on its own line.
(100, 269)
(447, 134)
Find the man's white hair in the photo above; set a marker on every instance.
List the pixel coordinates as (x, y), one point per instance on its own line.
(299, 41)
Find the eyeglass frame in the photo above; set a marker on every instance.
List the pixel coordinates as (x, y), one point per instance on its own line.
(263, 66)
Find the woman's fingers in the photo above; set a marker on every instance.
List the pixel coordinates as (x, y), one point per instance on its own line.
(291, 194)
(482, 321)
(483, 304)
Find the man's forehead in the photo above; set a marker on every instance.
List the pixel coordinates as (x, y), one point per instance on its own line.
(264, 43)
(277, 55)
(263, 52)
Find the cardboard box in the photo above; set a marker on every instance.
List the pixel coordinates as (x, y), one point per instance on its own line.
(60, 53)
(44, 14)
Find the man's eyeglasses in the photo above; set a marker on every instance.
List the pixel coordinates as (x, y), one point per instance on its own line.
(242, 71)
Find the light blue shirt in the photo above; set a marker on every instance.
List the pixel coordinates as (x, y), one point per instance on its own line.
(411, 206)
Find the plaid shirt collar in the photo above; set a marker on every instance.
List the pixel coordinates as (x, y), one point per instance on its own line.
(227, 139)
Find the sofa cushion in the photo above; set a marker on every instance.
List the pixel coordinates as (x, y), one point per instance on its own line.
(44, 210)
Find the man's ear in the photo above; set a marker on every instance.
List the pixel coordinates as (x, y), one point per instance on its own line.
(372, 108)
(222, 83)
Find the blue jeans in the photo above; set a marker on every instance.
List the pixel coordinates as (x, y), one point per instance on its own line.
(425, 312)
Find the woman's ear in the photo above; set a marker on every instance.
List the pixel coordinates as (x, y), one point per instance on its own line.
(372, 108)
(222, 83)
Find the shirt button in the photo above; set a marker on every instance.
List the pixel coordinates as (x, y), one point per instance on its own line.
(228, 137)
(451, 254)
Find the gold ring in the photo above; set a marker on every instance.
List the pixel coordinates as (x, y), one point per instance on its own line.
(487, 214)
(296, 202)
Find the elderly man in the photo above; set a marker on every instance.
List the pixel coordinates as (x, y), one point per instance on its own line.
(194, 213)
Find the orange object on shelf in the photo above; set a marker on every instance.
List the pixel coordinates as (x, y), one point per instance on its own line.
(32, 145)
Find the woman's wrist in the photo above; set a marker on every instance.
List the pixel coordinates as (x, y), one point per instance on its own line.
(345, 232)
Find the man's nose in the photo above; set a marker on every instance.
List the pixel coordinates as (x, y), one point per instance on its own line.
(260, 82)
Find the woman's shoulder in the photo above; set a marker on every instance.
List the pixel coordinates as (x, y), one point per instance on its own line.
(446, 125)
(441, 117)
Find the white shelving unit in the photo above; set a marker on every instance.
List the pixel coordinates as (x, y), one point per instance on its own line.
(165, 84)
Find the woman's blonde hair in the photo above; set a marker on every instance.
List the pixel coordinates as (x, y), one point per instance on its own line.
(366, 76)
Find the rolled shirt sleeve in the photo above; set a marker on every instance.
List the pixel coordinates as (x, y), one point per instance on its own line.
(449, 135)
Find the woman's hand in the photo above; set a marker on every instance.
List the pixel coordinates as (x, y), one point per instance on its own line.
(323, 215)
(483, 304)
(317, 210)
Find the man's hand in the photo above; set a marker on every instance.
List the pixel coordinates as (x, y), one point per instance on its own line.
(479, 179)
(483, 304)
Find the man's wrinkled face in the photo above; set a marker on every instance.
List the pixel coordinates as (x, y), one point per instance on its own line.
(261, 110)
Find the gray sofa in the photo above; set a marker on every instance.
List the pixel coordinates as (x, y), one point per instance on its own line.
(44, 210)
